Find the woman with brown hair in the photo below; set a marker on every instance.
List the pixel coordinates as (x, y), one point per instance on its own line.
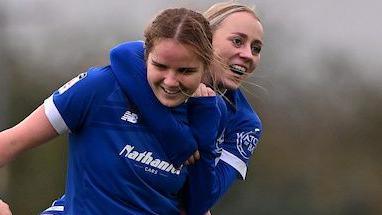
(237, 42)
(117, 163)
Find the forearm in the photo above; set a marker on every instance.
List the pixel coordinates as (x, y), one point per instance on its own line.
(226, 175)
(7, 147)
(204, 192)
(31, 132)
(203, 184)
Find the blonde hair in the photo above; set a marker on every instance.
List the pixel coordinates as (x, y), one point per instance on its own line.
(217, 13)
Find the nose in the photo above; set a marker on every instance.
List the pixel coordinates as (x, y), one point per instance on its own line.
(246, 53)
(171, 79)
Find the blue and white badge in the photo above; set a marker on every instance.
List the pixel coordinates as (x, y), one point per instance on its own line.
(246, 142)
(70, 83)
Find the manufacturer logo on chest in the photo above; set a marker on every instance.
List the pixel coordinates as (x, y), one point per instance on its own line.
(130, 117)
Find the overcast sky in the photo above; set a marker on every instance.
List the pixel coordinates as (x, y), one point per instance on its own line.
(308, 26)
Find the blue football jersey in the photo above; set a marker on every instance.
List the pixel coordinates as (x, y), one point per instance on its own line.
(235, 146)
(241, 134)
(207, 117)
(116, 165)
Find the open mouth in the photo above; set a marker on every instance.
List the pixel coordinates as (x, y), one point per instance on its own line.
(237, 69)
(170, 92)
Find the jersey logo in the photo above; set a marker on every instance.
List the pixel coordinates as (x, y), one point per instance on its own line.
(146, 159)
(246, 142)
(130, 117)
(70, 83)
(218, 143)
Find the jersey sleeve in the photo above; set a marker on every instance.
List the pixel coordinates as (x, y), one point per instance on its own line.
(67, 107)
(57, 207)
(203, 183)
(240, 141)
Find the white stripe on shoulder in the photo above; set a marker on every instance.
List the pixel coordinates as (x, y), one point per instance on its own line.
(235, 162)
(55, 209)
(54, 116)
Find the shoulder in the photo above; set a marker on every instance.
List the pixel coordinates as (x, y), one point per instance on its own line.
(100, 76)
(245, 113)
(127, 52)
(249, 117)
(68, 106)
(96, 80)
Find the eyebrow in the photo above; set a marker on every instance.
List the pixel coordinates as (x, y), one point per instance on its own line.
(157, 63)
(180, 68)
(246, 36)
(190, 69)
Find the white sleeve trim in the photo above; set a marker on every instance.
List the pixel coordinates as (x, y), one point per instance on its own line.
(54, 116)
(235, 162)
(55, 209)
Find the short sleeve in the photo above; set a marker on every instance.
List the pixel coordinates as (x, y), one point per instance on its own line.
(240, 142)
(67, 107)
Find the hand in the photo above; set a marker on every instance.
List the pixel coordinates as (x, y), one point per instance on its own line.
(4, 208)
(203, 90)
(192, 159)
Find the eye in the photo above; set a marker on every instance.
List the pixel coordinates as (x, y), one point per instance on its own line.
(187, 71)
(158, 65)
(255, 49)
(237, 41)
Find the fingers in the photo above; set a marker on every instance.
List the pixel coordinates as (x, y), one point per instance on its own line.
(192, 159)
(210, 92)
(203, 90)
(198, 92)
(4, 208)
(197, 155)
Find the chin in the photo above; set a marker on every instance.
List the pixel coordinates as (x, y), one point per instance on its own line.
(170, 103)
(230, 85)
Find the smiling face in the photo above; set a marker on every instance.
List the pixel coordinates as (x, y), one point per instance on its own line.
(238, 41)
(174, 71)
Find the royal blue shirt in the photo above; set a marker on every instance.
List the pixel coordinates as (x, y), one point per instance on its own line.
(116, 163)
(240, 138)
(235, 147)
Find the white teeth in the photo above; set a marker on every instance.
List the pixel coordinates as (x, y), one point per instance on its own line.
(238, 69)
(169, 91)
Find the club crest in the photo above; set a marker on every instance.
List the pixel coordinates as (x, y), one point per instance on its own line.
(246, 142)
(72, 82)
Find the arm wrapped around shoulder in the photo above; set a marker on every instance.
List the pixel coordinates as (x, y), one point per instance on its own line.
(207, 119)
